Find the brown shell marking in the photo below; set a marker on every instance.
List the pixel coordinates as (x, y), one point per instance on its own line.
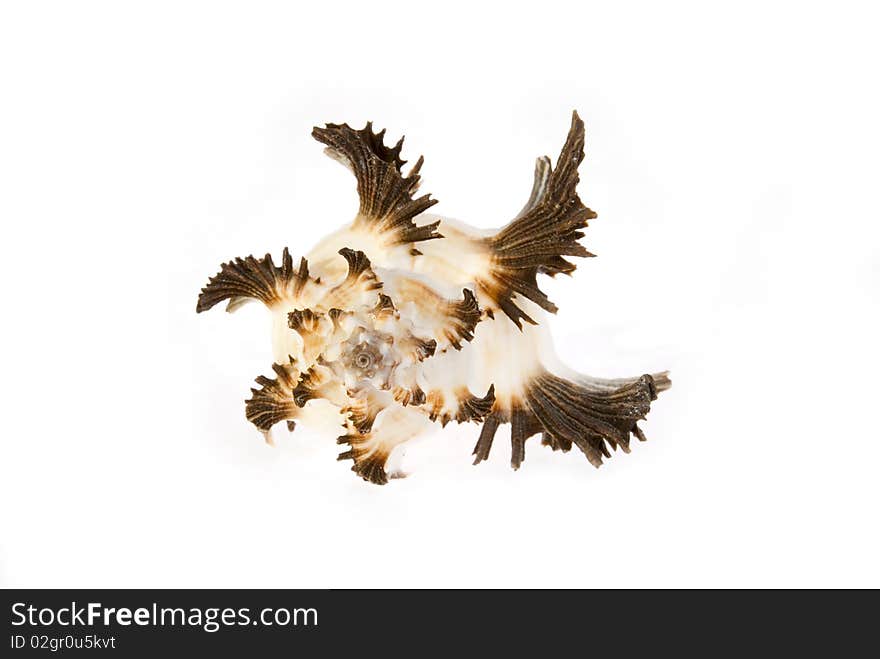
(454, 320)
(369, 457)
(568, 413)
(546, 230)
(416, 348)
(357, 287)
(260, 279)
(463, 318)
(412, 395)
(273, 402)
(384, 308)
(386, 197)
(304, 320)
(362, 412)
(336, 315)
(314, 329)
(464, 406)
(472, 408)
(312, 384)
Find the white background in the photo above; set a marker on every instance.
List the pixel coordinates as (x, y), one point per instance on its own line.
(732, 157)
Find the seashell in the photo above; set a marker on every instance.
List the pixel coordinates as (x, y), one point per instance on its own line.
(401, 319)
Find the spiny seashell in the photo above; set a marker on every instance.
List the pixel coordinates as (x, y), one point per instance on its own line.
(403, 319)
